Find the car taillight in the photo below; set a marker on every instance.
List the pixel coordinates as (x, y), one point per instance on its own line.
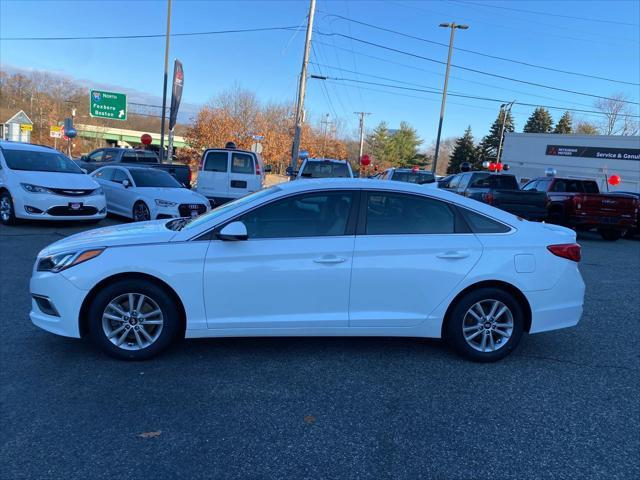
(570, 251)
(190, 176)
(576, 201)
(488, 198)
(257, 169)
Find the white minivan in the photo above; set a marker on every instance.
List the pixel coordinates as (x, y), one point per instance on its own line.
(228, 173)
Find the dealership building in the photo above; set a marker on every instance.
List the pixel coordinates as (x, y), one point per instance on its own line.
(595, 157)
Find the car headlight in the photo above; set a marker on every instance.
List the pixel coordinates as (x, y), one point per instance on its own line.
(165, 203)
(34, 188)
(98, 191)
(61, 261)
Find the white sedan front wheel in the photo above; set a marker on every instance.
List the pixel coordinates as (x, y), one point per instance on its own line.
(133, 319)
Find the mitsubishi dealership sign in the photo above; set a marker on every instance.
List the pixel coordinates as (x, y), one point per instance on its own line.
(593, 152)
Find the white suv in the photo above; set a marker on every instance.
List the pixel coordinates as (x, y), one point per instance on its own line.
(40, 183)
(228, 173)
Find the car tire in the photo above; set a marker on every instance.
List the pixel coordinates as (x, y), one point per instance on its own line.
(482, 337)
(140, 212)
(120, 330)
(609, 235)
(7, 211)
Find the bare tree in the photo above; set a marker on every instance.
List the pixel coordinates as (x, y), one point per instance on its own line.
(618, 114)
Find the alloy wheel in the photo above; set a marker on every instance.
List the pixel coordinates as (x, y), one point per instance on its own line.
(132, 321)
(488, 325)
(141, 213)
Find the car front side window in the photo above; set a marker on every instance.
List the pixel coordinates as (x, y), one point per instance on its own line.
(318, 214)
(119, 176)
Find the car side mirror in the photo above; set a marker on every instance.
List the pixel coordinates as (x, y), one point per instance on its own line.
(267, 169)
(126, 183)
(234, 231)
(84, 158)
(289, 171)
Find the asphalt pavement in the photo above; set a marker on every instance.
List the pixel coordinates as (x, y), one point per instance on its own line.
(566, 404)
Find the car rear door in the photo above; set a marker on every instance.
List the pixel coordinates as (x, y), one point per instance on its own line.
(213, 178)
(242, 175)
(293, 271)
(416, 250)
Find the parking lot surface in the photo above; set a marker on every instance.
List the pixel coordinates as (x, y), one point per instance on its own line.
(565, 405)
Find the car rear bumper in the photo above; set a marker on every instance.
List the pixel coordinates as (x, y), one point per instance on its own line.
(560, 306)
(619, 222)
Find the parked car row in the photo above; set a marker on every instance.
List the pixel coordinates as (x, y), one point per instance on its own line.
(40, 183)
(575, 203)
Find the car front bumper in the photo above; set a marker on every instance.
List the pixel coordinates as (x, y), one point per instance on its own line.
(65, 298)
(43, 206)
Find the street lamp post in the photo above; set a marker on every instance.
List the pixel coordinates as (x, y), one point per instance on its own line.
(453, 26)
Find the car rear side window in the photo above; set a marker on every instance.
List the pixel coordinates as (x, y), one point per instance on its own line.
(242, 163)
(318, 214)
(216, 162)
(391, 213)
(590, 186)
(130, 157)
(479, 223)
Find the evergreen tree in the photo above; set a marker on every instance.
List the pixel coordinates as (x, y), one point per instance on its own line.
(379, 142)
(464, 151)
(564, 124)
(488, 148)
(404, 145)
(540, 121)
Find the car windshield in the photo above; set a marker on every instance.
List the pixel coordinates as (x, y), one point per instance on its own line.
(153, 178)
(414, 177)
(322, 169)
(187, 224)
(38, 161)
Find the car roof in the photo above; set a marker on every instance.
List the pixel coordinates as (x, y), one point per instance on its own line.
(411, 170)
(329, 160)
(230, 150)
(8, 145)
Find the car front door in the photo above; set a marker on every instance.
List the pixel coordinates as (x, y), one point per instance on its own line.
(104, 177)
(410, 253)
(293, 270)
(122, 197)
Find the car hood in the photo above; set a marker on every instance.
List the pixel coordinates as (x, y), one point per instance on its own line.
(56, 180)
(139, 233)
(179, 195)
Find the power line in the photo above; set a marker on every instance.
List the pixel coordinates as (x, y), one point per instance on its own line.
(547, 14)
(460, 67)
(474, 97)
(495, 57)
(159, 35)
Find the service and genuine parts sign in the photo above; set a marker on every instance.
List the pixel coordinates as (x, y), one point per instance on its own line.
(593, 152)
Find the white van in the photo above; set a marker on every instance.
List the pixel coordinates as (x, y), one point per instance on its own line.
(228, 173)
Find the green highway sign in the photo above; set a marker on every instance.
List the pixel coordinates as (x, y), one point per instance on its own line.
(108, 105)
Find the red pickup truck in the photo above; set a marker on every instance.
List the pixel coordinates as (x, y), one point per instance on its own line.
(579, 204)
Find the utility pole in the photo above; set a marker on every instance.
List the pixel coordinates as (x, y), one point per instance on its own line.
(453, 26)
(302, 87)
(505, 108)
(362, 115)
(164, 85)
(326, 124)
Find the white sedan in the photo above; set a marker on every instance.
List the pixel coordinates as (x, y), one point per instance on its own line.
(343, 257)
(144, 193)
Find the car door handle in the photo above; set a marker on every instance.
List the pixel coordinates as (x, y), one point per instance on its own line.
(453, 254)
(329, 259)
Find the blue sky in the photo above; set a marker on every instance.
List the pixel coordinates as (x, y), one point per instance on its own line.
(604, 41)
